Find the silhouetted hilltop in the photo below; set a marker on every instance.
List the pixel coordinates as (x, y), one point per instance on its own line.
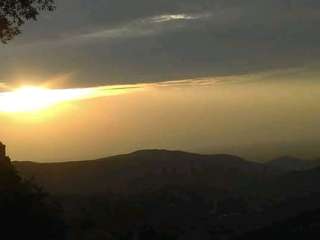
(148, 170)
(288, 163)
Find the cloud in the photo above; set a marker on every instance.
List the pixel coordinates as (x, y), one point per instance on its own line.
(178, 17)
(136, 28)
(144, 26)
(123, 41)
(35, 99)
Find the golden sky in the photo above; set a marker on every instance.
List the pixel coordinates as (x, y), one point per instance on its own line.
(203, 115)
(95, 78)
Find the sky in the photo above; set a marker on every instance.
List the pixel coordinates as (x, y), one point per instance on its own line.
(237, 76)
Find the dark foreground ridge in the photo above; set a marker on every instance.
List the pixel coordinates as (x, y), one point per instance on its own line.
(4, 159)
(27, 212)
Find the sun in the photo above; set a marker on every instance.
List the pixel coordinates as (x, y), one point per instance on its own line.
(32, 99)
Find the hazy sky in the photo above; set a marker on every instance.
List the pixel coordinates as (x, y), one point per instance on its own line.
(237, 75)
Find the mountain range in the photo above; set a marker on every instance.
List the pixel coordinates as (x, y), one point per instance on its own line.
(154, 169)
(222, 196)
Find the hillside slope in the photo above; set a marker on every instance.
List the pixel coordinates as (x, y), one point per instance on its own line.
(288, 163)
(147, 170)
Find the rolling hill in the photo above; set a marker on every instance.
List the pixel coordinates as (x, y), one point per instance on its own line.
(148, 170)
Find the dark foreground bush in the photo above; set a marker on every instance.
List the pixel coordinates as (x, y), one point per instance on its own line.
(26, 211)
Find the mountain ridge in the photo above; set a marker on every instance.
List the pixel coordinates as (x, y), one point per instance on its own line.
(152, 168)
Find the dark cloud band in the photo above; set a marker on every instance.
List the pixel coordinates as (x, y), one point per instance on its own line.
(123, 41)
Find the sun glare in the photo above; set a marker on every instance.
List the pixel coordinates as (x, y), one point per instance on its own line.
(31, 99)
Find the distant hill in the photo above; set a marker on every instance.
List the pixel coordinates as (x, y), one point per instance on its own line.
(288, 163)
(298, 183)
(148, 170)
(266, 151)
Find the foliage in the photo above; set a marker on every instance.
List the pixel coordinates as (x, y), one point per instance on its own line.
(27, 212)
(14, 14)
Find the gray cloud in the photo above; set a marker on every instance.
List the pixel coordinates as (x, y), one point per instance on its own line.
(177, 17)
(123, 41)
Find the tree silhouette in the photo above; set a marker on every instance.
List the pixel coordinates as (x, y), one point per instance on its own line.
(14, 13)
(26, 211)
